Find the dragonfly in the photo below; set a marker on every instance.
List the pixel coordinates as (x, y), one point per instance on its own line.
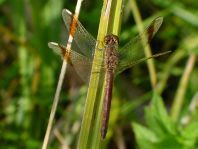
(115, 60)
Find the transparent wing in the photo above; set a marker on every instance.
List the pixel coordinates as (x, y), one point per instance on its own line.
(80, 63)
(141, 60)
(56, 49)
(83, 43)
(132, 53)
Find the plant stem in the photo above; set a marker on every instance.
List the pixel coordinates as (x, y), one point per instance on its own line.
(86, 131)
(175, 57)
(179, 97)
(90, 136)
(147, 49)
(60, 82)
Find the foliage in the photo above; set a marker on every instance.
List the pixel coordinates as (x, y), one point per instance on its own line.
(162, 132)
(29, 71)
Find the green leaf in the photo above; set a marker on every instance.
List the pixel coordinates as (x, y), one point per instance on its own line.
(190, 133)
(157, 117)
(161, 132)
(145, 137)
(170, 142)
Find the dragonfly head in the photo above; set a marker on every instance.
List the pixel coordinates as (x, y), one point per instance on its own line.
(111, 40)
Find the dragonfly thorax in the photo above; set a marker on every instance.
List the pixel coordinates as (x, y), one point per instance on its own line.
(111, 54)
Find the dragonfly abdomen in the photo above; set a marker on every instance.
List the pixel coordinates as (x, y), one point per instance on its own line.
(107, 103)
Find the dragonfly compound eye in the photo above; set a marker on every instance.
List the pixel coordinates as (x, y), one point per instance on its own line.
(111, 39)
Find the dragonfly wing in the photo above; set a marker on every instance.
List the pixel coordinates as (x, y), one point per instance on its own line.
(56, 49)
(133, 52)
(79, 62)
(82, 65)
(124, 67)
(84, 42)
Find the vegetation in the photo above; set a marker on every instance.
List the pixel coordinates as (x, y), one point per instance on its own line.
(139, 117)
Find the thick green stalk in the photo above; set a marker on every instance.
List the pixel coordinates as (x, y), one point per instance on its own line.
(90, 136)
(113, 27)
(91, 100)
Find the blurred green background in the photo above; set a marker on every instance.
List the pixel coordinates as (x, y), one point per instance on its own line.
(29, 70)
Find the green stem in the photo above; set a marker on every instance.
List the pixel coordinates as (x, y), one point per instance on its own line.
(179, 97)
(113, 27)
(175, 57)
(147, 49)
(90, 136)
